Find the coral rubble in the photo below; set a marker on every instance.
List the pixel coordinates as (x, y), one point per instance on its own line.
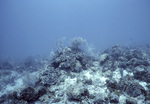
(119, 75)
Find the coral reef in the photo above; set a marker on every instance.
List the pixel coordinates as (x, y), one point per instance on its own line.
(120, 75)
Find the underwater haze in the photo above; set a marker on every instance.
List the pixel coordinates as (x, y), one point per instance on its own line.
(31, 27)
(74, 52)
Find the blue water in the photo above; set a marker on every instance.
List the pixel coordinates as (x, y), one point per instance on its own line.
(30, 27)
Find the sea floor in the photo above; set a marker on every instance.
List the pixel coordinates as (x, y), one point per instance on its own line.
(119, 75)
